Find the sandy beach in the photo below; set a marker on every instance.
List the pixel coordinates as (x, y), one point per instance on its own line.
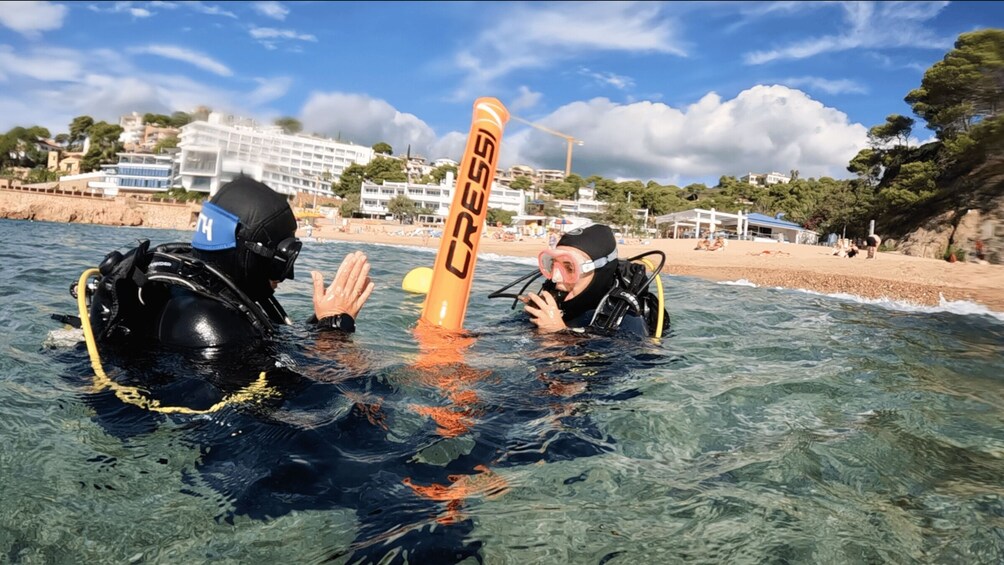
(888, 275)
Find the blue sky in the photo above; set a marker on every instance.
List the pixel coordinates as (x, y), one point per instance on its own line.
(676, 92)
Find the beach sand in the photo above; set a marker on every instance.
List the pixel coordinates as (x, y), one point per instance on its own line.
(810, 267)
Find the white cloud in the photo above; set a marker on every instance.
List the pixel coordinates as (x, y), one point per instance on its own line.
(269, 36)
(269, 89)
(30, 18)
(208, 9)
(528, 36)
(762, 128)
(868, 25)
(364, 120)
(608, 79)
(45, 64)
(525, 99)
(753, 12)
(200, 60)
(122, 8)
(105, 84)
(274, 10)
(838, 86)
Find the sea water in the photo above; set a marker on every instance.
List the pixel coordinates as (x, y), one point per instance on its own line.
(769, 426)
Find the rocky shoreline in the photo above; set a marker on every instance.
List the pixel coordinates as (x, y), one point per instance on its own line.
(119, 211)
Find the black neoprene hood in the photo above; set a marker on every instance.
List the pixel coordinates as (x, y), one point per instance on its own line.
(265, 217)
(596, 240)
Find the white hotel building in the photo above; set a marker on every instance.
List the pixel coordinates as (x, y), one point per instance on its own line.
(218, 150)
(435, 197)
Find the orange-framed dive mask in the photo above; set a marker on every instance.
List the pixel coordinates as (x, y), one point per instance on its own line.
(569, 264)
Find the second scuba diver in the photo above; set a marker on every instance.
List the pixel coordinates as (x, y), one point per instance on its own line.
(590, 290)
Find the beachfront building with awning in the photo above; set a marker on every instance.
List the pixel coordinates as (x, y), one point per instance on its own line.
(696, 222)
(761, 227)
(758, 227)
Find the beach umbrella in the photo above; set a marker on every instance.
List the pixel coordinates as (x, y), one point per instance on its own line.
(562, 222)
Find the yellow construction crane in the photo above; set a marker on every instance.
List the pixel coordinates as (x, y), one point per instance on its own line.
(569, 139)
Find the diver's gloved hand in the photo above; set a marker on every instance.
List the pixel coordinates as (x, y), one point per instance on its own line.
(544, 312)
(348, 292)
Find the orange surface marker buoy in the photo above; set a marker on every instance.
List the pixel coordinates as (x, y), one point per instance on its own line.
(453, 272)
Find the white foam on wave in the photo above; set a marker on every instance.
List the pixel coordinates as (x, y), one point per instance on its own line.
(496, 258)
(960, 307)
(740, 282)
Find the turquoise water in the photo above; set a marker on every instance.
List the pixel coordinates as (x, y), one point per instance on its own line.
(771, 426)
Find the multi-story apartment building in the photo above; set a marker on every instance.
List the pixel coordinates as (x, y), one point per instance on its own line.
(545, 176)
(135, 172)
(586, 204)
(539, 177)
(765, 179)
(137, 136)
(436, 198)
(214, 152)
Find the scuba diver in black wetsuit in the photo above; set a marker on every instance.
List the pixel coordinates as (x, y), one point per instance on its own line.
(219, 291)
(590, 290)
(209, 309)
(210, 306)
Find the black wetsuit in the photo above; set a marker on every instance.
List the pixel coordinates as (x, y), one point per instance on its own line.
(631, 325)
(579, 313)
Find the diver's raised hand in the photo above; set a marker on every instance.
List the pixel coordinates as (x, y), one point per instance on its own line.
(348, 291)
(544, 312)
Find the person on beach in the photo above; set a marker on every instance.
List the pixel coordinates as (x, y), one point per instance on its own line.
(587, 287)
(853, 250)
(873, 242)
(220, 290)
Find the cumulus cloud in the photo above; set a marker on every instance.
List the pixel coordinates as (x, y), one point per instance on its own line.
(30, 18)
(837, 86)
(762, 128)
(200, 60)
(274, 10)
(532, 36)
(366, 121)
(867, 25)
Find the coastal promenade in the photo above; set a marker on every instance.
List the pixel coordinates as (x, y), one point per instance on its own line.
(809, 267)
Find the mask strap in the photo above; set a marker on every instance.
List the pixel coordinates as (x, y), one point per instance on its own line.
(591, 266)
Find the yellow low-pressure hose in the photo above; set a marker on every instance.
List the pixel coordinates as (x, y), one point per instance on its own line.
(256, 391)
(658, 285)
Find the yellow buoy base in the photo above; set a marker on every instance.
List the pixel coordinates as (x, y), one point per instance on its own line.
(418, 280)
